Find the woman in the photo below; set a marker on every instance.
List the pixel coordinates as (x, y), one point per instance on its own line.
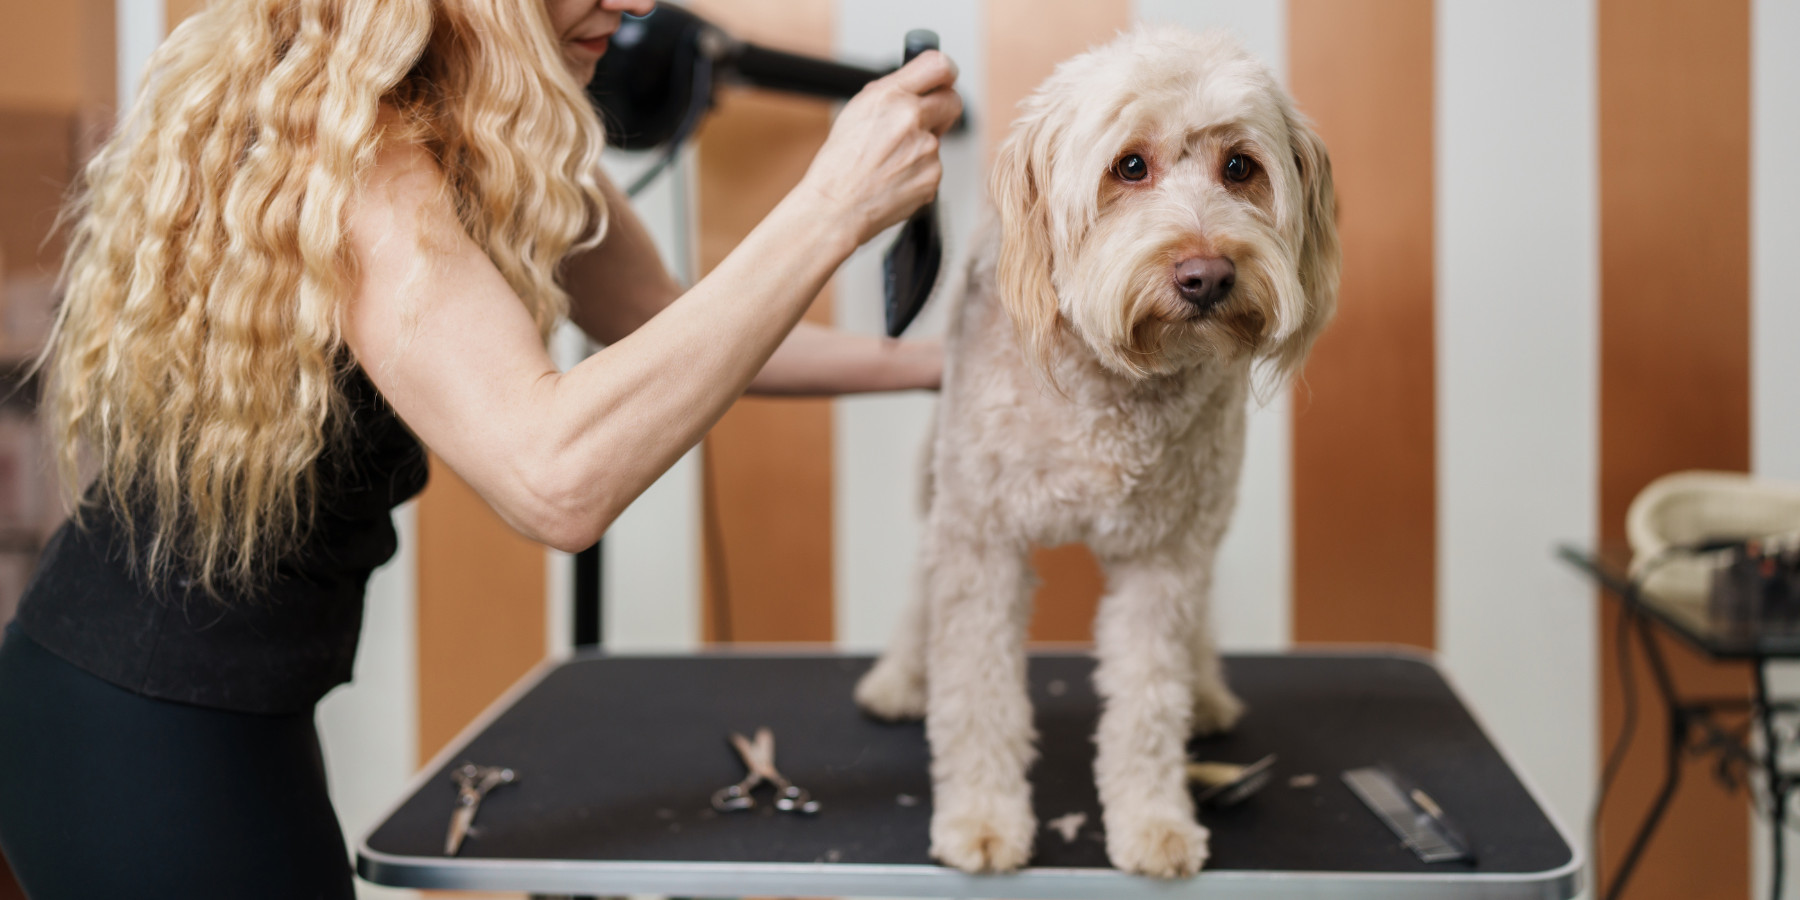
(331, 230)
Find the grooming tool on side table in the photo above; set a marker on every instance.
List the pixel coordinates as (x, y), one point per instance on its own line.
(472, 784)
(1411, 812)
(759, 759)
(910, 268)
(1228, 784)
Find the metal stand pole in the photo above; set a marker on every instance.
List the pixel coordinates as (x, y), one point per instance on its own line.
(1777, 783)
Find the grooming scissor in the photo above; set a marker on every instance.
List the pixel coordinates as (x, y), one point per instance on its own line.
(759, 759)
(472, 784)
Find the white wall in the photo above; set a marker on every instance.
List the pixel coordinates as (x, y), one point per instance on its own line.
(1517, 369)
(878, 439)
(140, 26)
(652, 554)
(369, 729)
(1775, 238)
(1775, 303)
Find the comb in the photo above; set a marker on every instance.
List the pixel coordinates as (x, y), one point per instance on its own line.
(1411, 813)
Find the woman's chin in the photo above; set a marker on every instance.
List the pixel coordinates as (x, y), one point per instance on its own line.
(581, 65)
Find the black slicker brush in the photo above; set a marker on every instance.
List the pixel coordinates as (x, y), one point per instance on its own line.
(910, 267)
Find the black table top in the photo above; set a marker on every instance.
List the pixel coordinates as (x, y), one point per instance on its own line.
(618, 756)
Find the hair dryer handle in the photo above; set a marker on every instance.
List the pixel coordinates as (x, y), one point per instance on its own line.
(918, 41)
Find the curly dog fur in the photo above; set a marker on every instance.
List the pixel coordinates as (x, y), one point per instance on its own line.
(1165, 239)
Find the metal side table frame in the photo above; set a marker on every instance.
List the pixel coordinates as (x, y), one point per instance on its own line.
(1694, 723)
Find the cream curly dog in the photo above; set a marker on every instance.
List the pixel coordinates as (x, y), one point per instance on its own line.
(1165, 237)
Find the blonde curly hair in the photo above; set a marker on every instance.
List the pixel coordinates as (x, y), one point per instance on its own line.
(197, 358)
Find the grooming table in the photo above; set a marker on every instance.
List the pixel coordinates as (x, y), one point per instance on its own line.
(618, 757)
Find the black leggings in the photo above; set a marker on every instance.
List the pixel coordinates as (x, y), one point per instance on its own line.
(104, 793)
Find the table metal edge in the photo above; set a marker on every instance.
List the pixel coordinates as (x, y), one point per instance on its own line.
(716, 879)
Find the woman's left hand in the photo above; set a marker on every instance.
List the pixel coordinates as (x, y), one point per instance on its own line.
(818, 361)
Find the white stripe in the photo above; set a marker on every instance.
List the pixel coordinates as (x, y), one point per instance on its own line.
(1775, 238)
(141, 25)
(369, 729)
(1260, 24)
(1775, 300)
(1252, 605)
(652, 554)
(877, 439)
(1517, 376)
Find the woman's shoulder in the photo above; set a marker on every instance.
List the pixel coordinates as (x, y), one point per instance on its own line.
(405, 190)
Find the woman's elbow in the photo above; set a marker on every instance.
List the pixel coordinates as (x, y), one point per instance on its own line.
(565, 518)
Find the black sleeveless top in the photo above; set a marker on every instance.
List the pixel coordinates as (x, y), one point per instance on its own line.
(276, 650)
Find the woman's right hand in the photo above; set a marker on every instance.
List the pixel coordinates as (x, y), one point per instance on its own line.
(880, 162)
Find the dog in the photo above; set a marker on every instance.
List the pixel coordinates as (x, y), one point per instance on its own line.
(1165, 241)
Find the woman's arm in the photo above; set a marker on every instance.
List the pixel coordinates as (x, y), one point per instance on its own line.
(560, 455)
(817, 361)
(621, 284)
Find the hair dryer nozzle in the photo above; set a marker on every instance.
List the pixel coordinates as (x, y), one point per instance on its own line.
(910, 268)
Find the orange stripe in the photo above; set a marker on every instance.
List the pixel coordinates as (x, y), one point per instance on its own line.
(480, 607)
(768, 520)
(58, 57)
(1364, 438)
(1674, 367)
(1026, 39)
(176, 10)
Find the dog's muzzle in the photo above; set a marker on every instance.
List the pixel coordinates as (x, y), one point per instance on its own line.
(1205, 283)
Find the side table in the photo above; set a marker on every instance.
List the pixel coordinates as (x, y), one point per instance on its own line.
(1695, 722)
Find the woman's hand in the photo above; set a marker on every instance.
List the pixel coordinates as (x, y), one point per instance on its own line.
(881, 162)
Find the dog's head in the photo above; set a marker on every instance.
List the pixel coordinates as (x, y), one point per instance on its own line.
(1161, 200)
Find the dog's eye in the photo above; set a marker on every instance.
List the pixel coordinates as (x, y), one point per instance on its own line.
(1133, 168)
(1239, 168)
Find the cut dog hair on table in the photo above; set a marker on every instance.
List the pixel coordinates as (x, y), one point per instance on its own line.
(1165, 248)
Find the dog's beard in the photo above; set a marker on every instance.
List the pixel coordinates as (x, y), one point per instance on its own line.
(1120, 298)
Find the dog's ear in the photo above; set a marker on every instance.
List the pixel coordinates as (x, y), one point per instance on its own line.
(1320, 256)
(1027, 255)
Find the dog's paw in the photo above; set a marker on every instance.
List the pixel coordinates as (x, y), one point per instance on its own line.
(994, 838)
(1216, 710)
(890, 692)
(1161, 846)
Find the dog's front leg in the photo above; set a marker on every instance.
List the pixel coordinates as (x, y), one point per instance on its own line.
(978, 714)
(1144, 638)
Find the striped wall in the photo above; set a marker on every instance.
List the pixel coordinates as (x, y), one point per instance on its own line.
(1571, 230)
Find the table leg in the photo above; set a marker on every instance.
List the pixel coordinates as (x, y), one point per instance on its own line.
(1677, 739)
(1777, 786)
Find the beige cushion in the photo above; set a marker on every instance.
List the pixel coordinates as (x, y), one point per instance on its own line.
(1689, 508)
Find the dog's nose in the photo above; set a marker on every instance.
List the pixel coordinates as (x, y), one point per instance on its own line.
(1205, 282)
